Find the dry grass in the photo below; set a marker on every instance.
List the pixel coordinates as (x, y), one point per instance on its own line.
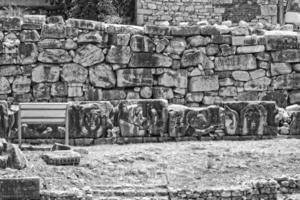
(186, 164)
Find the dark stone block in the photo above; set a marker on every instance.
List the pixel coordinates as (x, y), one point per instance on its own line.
(280, 97)
(185, 121)
(61, 158)
(142, 117)
(250, 118)
(10, 23)
(90, 119)
(19, 188)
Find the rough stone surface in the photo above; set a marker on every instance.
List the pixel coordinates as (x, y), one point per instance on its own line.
(88, 55)
(240, 62)
(204, 83)
(45, 73)
(119, 54)
(54, 56)
(74, 73)
(150, 60)
(102, 76)
(134, 77)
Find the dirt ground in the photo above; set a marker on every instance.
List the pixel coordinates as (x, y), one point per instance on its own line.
(184, 164)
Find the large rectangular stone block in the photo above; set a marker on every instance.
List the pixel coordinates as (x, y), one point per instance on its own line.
(250, 118)
(277, 40)
(142, 117)
(186, 121)
(134, 77)
(150, 60)
(288, 56)
(19, 188)
(238, 62)
(204, 83)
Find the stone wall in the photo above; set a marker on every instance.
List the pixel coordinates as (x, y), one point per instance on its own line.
(176, 11)
(53, 60)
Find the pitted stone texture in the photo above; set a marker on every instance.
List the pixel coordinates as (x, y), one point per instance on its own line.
(241, 75)
(61, 158)
(163, 93)
(287, 56)
(150, 60)
(59, 89)
(134, 77)
(140, 43)
(54, 56)
(45, 73)
(41, 91)
(74, 73)
(89, 55)
(176, 46)
(287, 81)
(280, 69)
(10, 23)
(91, 119)
(143, 117)
(21, 85)
(198, 40)
(11, 70)
(55, 31)
(119, 55)
(260, 84)
(277, 40)
(28, 53)
(4, 86)
(29, 36)
(90, 37)
(115, 94)
(102, 76)
(238, 62)
(174, 78)
(50, 44)
(194, 58)
(32, 22)
(204, 83)
(85, 24)
(9, 59)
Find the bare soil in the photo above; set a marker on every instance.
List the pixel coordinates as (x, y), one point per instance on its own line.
(181, 165)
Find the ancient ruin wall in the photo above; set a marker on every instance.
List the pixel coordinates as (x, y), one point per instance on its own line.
(176, 11)
(81, 60)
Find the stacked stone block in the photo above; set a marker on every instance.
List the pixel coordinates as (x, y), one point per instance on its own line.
(175, 12)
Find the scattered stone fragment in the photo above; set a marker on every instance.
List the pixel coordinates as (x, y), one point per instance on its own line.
(65, 157)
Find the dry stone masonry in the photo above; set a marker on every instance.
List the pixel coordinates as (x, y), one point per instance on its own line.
(177, 11)
(153, 83)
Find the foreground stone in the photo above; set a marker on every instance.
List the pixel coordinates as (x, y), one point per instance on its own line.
(61, 158)
(16, 158)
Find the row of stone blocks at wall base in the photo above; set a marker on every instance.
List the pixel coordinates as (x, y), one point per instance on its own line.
(156, 121)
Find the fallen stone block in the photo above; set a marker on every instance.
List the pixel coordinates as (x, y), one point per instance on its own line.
(60, 147)
(16, 158)
(61, 158)
(20, 188)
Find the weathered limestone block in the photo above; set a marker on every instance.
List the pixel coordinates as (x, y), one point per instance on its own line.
(174, 78)
(74, 73)
(241, 75)
(11, 43)
(286, 56)
(41, 91)
(85, 24)
(115, 94)
(9, 59)
(250, 49)
(124, 29)
(279, 96)
(176, 46)
(294, 97)
(69, 44)
(294, 112)
(250, 118)
(161, 45)
(55, 31)
(134, 77)
(209, 30)
(61, 158)
(45, 73)
(287, 81)
(59, 89)
(4, 86)
(122, 39)
(280, 69)
(198, 40)
(221, 39)
(102, 76)
(119, 55)
(90, 37)
(185, 30)
(194, 97)
(55, 20)
(50, 44)
(228, 92)
(143, 117)
(277, 40)
(194, 58)
(212, 49)
(33, 22)
(163, 93)
(260, 84)
(28, 53)
(146, 92)
(10, 23)
(257, 73)
(238, 62)
(91, 119)
(204, 83)
(54, 56)
(89, 55)
(157, 30)
(140, 43)
(185, 121)
(29, 36)
(21, 85)
(150, 60)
